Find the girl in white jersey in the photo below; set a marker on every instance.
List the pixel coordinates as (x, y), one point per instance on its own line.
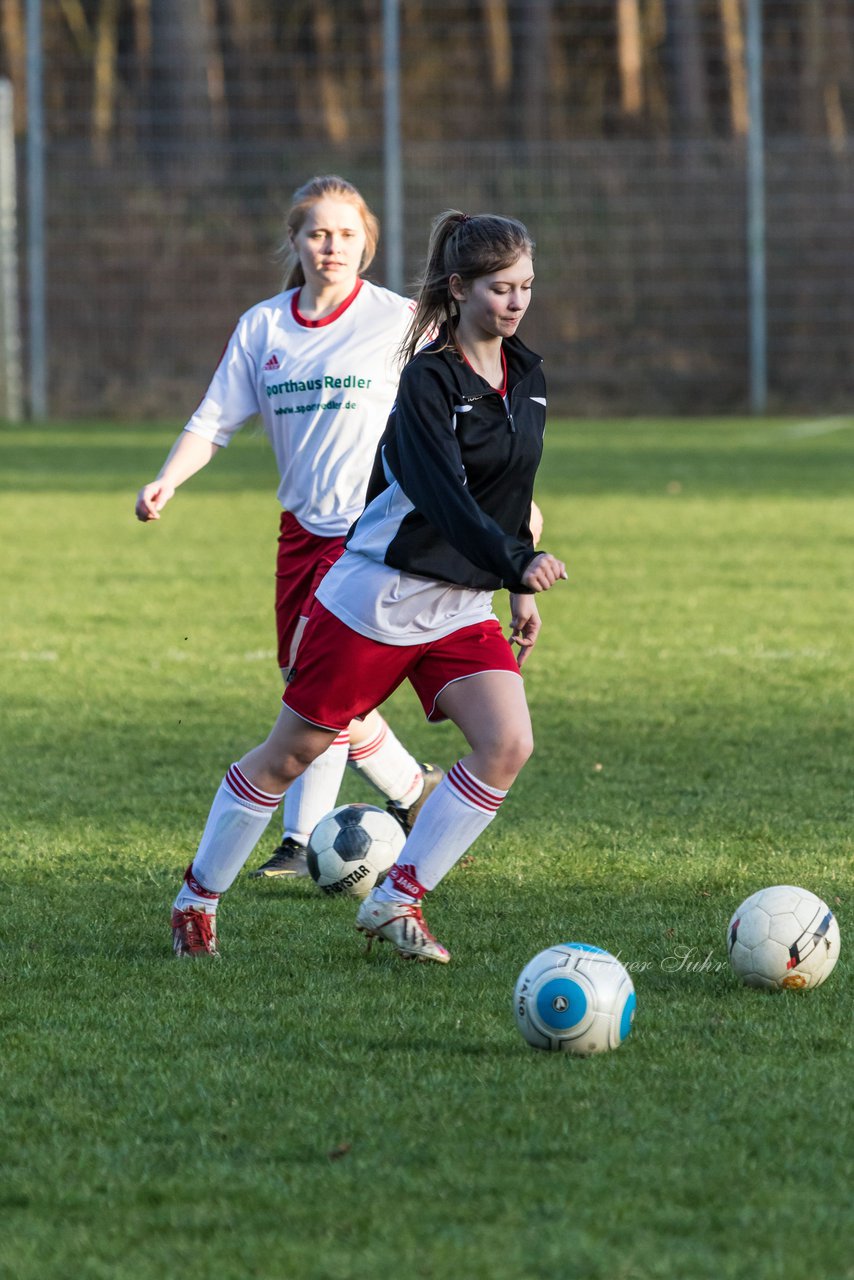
(446, 523)
(320, 363)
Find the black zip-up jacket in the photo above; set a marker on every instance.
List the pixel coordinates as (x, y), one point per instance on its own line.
(451, 488)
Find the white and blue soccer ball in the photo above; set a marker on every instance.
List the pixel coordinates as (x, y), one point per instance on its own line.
(574, 998)
(783, 938)
(352, 848)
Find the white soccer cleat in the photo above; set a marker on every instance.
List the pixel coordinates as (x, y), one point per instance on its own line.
(401, 924)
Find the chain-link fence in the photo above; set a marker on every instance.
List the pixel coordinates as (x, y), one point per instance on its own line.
(617, 129)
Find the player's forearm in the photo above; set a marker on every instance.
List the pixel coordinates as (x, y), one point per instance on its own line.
(189, 454)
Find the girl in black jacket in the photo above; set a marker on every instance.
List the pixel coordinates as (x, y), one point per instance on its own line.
(445, 525)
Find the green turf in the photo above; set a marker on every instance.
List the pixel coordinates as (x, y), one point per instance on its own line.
(304, 1111)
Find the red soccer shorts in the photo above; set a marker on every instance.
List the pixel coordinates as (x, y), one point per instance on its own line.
(303, 558)
(340, 675)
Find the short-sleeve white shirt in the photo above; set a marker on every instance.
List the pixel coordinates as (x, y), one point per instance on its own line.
(324, 390)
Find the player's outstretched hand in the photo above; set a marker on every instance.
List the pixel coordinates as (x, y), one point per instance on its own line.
(151, 500)
(543, 572)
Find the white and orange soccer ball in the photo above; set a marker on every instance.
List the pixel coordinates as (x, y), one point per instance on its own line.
(783, 938)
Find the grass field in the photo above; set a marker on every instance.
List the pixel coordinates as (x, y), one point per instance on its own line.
(303, 1111)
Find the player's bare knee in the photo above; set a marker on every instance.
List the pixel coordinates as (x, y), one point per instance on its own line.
(519, 751)
(298, 760)
(286, 771)
(287, 768)
(511, 754)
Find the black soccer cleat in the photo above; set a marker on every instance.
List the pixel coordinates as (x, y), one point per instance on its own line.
(288, 860)
(432, 775)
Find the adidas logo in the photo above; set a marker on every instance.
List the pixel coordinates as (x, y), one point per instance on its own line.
(272, 363)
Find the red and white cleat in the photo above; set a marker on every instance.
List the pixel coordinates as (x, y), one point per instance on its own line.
(194, 932)
(401, 924)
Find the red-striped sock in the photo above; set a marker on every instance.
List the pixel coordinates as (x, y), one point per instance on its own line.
(384, 762)
(453, 817)
(238, 818)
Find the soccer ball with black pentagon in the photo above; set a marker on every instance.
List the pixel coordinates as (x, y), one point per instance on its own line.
(352, 847)
(783, 938)
(574, 998)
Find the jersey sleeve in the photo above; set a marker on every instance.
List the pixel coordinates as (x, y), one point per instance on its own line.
(232, 395)
(433, 477)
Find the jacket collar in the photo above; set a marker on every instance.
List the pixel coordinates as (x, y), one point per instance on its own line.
(520, 359)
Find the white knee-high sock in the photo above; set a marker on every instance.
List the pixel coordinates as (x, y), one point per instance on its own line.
(312, 795)
(384, 761)
(238, 818)
(453, 817)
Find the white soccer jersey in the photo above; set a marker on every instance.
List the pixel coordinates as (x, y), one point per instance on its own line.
(324, 389)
